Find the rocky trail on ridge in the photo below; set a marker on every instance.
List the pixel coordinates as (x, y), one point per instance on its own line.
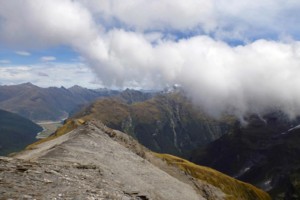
(95, 162)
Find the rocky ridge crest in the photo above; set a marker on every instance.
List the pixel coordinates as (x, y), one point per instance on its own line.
(96, 162)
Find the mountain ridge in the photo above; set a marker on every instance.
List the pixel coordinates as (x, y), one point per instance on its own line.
(54, 103)
(114, 162)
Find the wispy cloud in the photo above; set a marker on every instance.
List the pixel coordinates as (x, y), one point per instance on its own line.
(48, 58)
(46, 75)
(5, 61)
(23, 53)
(42, 74)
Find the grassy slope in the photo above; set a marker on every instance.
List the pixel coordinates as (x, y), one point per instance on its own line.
(233, 188)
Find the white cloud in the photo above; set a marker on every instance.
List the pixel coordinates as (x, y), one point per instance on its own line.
(45, 75)
(256, 19)
(44, 23)
(157, 14)
(23, 53)
(230, 19)
(252, 77)
(11, 75)
(48, 58)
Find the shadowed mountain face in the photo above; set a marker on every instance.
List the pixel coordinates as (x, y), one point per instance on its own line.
(265, 153)
(16, 132)
(52, 103)
(95, 162)
(167, 123)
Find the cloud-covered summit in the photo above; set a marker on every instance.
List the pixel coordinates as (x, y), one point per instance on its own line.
(158, 43)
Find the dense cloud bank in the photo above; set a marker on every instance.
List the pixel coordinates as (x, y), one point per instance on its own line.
(136, 43)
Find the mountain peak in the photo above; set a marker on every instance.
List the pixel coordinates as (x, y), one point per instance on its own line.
(28, 84)
(75, 87)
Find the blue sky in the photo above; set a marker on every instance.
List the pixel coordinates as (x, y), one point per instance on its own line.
(17, 57)
(227, 54)
(55, 66)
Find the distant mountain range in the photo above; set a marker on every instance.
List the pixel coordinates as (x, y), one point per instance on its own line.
(16, 132)
(265, 153)
(43, 104)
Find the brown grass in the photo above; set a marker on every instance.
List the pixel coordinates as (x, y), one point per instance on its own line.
(233, 188)
(110, 111)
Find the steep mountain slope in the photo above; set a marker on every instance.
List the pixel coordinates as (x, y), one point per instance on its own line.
(94, 161)
(167, 123)
(16, 132)
(40, 104)
(265, 153)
